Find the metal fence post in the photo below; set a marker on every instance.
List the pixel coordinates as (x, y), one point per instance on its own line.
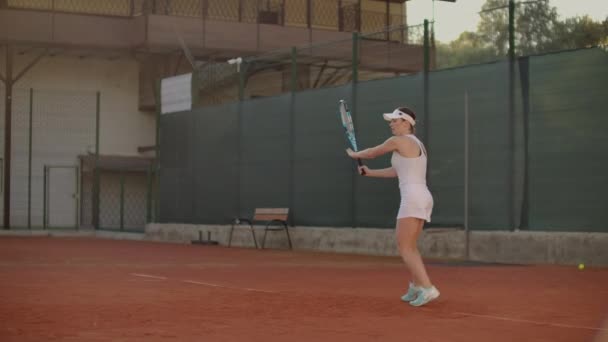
(7, 135)
(122, 200)
(511, 119)
(149, 194)
(96, 180)
(292, 133)
(29, 164)
(242, 75)
(426, 89)
(44, 196)
(353, 108)
(157, 160)
(355, 57)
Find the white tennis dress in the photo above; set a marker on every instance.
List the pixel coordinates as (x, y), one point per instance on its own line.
(416, 199)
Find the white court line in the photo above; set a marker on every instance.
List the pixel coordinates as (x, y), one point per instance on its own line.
(530, 322)
(202, 283)
(148, 276)
(226, 287)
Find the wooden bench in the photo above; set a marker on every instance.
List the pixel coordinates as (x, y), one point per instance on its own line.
(273, 218)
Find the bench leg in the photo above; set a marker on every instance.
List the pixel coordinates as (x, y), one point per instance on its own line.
(286, 232)
(264, 239)
(255, 242)
(288, 238)
(230, 235)
(239, 221)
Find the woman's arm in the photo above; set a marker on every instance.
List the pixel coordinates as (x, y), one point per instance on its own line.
(380, 173)
(370, 153)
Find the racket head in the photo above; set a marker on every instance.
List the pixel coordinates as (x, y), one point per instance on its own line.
(347, 123)
(347, 120)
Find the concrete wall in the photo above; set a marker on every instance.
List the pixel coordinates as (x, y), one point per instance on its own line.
(501, 247)
(498, 247)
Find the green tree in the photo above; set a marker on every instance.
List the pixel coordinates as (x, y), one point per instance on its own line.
(468, 48)
(580, 32)
(535, 23)
(537, 30)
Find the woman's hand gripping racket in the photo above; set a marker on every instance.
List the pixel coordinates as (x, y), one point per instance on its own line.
(347, 122)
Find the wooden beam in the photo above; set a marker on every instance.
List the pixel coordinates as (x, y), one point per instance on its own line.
(332, 78)
(31, 65)
(319, 74)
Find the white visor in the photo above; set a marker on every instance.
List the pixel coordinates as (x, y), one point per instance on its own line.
(397, 114)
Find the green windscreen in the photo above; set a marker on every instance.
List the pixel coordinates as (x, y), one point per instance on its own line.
(265, 171)
(533, 156)
(323, 174)
(568, 144)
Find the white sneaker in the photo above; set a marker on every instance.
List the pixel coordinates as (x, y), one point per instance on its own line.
(412, 293)
(425, 295)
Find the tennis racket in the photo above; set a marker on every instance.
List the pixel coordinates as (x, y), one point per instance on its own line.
(349, 127)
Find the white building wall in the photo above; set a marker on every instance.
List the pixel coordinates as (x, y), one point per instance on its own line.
(64, 119)
(122, 126)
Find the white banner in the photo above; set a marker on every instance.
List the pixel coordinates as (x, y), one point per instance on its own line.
(176, 94)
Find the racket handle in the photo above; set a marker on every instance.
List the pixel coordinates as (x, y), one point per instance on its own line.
(361, 164)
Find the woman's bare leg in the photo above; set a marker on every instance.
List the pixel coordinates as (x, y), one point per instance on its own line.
(408, 231)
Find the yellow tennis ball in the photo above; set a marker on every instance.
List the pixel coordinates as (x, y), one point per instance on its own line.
(581, 266)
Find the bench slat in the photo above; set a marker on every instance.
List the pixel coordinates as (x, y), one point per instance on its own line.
(270, 217)
(283, 211)
(269, 214)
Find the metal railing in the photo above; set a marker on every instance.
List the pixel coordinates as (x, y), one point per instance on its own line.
(124, 8)
(376, 55)
(336, 15)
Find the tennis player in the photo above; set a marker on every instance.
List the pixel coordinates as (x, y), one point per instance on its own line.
(409, 160)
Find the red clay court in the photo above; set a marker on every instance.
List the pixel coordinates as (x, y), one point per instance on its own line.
(85, 289)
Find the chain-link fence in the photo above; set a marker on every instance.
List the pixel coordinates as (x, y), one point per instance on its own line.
(107, 7)
(217, 83)
(57, 178)
(127, 194)
(391, 52)
(387, 53)
(340, 15)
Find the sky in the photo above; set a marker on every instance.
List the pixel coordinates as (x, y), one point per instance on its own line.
(455, 18)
